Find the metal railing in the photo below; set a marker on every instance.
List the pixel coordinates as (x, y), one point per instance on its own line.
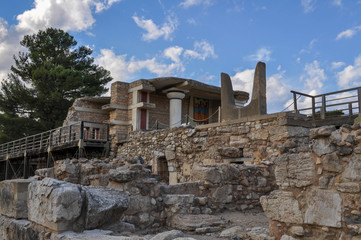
(345, 100)
(87, 131)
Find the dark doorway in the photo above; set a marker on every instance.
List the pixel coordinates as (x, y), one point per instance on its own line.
(143, 119)
(163, 170)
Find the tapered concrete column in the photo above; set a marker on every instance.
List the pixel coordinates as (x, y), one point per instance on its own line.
(175, 108)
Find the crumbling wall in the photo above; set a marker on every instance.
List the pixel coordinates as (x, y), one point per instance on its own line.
(319, 196)
(257, 140)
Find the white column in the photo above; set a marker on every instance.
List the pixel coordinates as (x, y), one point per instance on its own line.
(175, 112)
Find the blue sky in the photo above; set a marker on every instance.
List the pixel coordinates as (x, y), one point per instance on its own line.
(312, 46)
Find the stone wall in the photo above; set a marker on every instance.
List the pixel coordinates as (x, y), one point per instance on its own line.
(87, 109)
(257, 140)
(319, 196)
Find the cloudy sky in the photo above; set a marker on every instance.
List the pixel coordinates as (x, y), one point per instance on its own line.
(312, 46)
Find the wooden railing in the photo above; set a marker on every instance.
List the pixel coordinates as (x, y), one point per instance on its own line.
(328, 102)
(87, 131)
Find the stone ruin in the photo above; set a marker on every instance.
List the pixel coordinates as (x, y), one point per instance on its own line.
(185, 183)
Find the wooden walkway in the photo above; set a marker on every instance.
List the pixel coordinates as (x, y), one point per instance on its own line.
(17, 157)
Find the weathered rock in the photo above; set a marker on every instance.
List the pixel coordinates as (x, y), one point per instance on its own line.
(55, 204)
(169, 235)
(323, 131)
(297, 231)
(231, 152)
(332, 163)
(295, 170)
(173, 199)
(282, 206)
(323, 208)
(209, 174)
(13, 198)
(93, 235)
(188, 222)
(103, 206)
(352, 171)
(120, 175)
(323, 146)
(223, 194)
(233, 231)
(205, 230)
(349, 187)
(11, 229)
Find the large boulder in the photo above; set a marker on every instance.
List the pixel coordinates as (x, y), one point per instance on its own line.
(104, 206)
(61, 206)
(13, 198)
(54, 204)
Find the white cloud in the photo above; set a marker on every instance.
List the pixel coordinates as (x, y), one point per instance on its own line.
(308, 5)
(262, 54)
(350, 75)
(310, 46)
(68, 15)
(314, 76)
(336, 65)
(153, 32)
(337, 3)
(173, 53)
(64, 14)
(3, 28)
(348, 33)
(124, 70)
(277, 91)
(101, 6)
(189, 3)
(202, 50)
(243, 80)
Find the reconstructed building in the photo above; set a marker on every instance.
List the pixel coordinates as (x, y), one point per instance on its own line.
(148, 104)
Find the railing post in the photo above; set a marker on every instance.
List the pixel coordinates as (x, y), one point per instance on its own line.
(323, 107)
(7, 169)
(69, 138)
(359, 99)
(156, 124)
(219, 114)
(82, 130)
(313, 108)
(350, 109)
(294, 103)
(187, 119)
(107, 132)
(41, 140)
(26, 167)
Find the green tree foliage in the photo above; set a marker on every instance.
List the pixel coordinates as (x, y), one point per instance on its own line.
(44, 82)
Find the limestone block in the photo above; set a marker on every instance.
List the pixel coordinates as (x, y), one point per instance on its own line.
(103, 205)
(295, 170)
(323, 208)
(323, 131)
(188, 222)
(169, 235)
(323, 146)
(331, 163)
(138, 204)
(120, 175)
(209, 174)
(12, 229)
(13, 198)
(282, 206)
(233, 231)
(231, 152)
(173, 178)
(238, 141)
(170, 155)
(223, 194)
(352, 171)
(187, 169)
(172, 199)
(349, 187)
(55, 204)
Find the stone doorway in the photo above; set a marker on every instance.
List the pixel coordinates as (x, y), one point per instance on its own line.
(163, 169)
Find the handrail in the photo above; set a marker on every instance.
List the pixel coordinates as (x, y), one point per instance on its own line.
(83, 130)
(324, 102)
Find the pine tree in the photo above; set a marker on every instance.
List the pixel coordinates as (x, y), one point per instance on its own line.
(44, 82)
